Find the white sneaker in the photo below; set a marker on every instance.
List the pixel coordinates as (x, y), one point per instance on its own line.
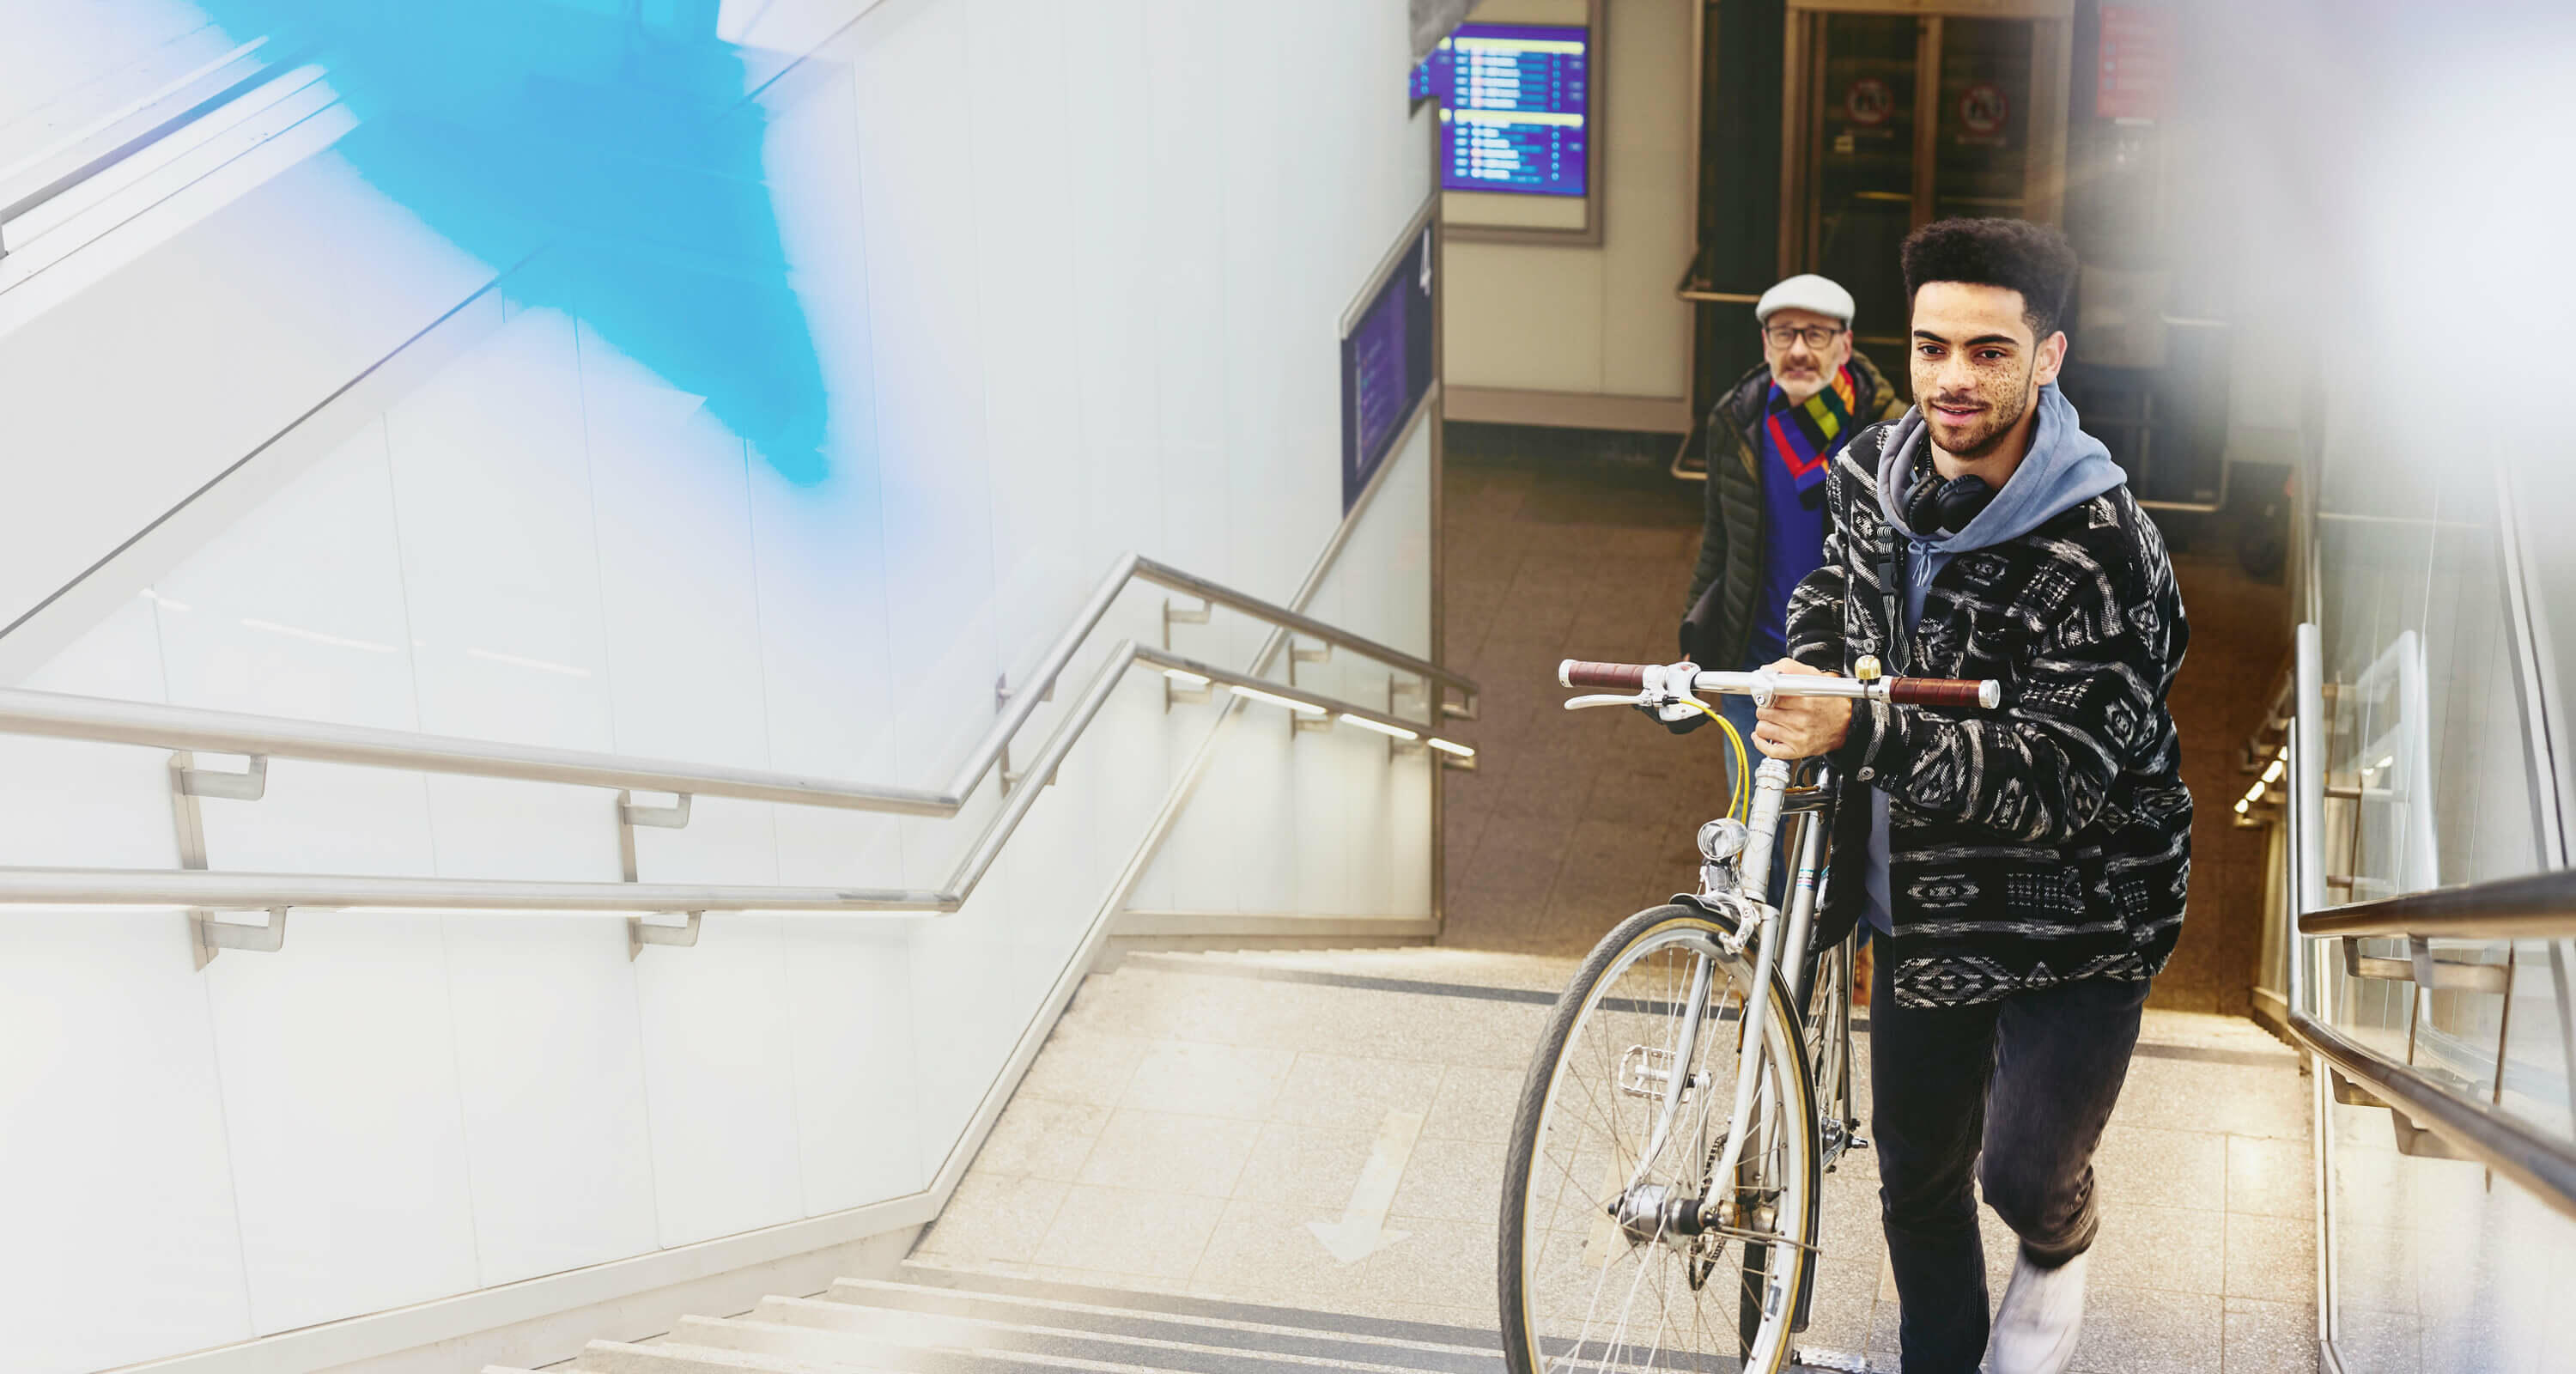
(2042, 1313)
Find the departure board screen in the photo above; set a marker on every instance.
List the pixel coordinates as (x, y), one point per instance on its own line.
(1386, 367)
(1515, 110)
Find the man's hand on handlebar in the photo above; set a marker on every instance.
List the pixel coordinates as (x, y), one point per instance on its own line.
(1798, 727)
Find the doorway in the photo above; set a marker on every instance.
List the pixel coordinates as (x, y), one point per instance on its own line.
(1895, 118)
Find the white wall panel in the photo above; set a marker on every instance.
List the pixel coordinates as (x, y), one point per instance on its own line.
(1032, 398)
(501, 580)
(93, 806)
(1107, 149)
(719, 1070)
(963, 1013)
(851, 1023)
(670, 487)
(119, 1202)
(347, 1142)
(924, 271)
(551, 1081)
(298, 611)
(1184, 224)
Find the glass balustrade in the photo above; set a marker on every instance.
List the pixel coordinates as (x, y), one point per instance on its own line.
(2436, 774)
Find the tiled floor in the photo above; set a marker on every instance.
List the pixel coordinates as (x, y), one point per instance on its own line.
(1194, 1116)
(1561, 545)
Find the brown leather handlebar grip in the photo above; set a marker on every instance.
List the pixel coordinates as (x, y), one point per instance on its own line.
(1963, 694)
(1574, 672)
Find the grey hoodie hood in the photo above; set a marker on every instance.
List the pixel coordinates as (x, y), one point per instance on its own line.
(2065, 467)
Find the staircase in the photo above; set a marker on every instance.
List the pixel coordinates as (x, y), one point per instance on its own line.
(947, 1321)
(1244, 1162)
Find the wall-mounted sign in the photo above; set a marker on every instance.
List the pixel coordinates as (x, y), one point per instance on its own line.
(1515, 103)
(1869, 102)
(2134, 75)
(1386, 366)
(1983, 108)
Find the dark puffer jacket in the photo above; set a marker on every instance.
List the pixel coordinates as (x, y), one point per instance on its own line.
(1718, 617)
(2042, 842)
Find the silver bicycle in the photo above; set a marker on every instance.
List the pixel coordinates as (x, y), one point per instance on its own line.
(1660, 1199)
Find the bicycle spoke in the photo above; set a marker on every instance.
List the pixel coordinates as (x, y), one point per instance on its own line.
(1608, 1282)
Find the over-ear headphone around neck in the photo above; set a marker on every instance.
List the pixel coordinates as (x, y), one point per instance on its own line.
(1935, 506)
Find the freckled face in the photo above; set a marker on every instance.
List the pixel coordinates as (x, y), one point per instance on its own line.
(1976, 366)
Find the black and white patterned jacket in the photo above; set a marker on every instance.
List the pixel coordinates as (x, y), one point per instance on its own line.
(2046, 841)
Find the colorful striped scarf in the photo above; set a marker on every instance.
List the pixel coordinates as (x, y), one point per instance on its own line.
(1806, 434)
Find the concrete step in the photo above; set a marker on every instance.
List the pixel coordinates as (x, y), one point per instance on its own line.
(1181, 1307)
(673, 1357)
(1431, 964)
(920, 1344)
(1218, 1345)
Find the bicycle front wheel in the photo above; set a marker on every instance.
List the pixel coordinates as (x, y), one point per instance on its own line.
(1610, 1256)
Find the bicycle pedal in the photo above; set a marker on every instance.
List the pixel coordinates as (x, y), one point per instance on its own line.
(1840, 1361)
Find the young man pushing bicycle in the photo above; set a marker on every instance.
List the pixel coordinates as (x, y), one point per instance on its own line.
(2026, 866)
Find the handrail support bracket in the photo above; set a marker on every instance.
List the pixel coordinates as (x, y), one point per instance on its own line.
(1001, 700)
(640, 932)
(209, 935)
(1173, 615)
(629, 816)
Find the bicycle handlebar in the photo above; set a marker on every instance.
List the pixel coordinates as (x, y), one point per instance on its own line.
(1956, 693)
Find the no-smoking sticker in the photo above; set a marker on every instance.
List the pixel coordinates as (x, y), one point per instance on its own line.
(1983, 108)
(1869, 102)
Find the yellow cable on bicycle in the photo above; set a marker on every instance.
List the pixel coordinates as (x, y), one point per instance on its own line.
(1741, 804)
(1743, 791)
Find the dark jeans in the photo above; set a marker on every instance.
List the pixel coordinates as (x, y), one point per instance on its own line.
(2029, 1081)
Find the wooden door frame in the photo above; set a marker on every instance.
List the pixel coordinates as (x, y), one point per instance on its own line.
(1802, 83)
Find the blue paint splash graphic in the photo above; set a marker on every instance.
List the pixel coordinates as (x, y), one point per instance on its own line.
(621, 143)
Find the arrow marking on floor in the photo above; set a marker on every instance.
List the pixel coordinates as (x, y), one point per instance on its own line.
(1362, 1230)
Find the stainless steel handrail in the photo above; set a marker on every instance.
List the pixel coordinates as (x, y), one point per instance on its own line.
(63, 716)
(2543, 1165)
(2538, 906)
(258, 891)
(2541, 904)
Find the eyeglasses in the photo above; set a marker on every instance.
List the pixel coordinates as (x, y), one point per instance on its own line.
(1818, 336)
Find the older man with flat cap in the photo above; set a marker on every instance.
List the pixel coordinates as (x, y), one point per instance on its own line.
(1769, 440)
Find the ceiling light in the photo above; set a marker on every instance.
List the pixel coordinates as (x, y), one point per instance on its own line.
(1451, 747)
(1380, 726)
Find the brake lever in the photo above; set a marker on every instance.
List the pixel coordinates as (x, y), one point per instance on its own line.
(1640, 699)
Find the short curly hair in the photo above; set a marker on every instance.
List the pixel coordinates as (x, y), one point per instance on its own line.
(2013, 254)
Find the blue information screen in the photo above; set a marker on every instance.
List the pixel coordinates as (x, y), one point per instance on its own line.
(1386, 367)
(1514, 108)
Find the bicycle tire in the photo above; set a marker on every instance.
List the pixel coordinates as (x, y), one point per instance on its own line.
(1533, 1235)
